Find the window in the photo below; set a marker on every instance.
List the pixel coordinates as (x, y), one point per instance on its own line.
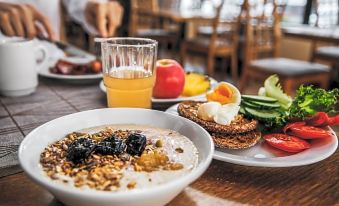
(294, 11)
(322, 13)
(326, 11)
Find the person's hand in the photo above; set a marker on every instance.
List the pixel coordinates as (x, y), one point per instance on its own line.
(104, 17)
(23, 20)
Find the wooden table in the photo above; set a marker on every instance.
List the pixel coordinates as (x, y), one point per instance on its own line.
(330, 35)
(221, 184)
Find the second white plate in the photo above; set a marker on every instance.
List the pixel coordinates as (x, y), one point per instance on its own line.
(70, 78)
(263, 155)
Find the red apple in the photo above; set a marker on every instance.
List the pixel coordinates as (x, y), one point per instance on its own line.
(170, 79)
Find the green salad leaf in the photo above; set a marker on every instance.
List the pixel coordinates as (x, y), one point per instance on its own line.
(310, 100)
(273, 89)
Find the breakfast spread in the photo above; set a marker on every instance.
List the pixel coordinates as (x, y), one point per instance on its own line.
(119, 157)
(238, 121)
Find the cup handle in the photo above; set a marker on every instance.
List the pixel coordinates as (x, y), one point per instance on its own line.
(45, 56)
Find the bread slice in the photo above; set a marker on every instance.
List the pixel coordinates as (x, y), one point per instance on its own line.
(236, 141)
(189, 109)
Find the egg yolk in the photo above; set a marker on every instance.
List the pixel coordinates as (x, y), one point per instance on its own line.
(222, 94)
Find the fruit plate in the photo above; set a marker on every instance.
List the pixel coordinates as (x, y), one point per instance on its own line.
(263, 155)
(179, 99)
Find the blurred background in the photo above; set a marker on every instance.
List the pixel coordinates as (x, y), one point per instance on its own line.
(192, 30)
(241, 41)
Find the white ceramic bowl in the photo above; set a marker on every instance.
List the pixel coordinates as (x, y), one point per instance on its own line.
(35, 142)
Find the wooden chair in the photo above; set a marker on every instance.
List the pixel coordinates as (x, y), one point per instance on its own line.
(230, 10)
(263, 35)
(329, 54)
(224, 46)
(144, 24)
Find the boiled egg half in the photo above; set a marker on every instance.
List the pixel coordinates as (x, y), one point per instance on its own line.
(224, 93)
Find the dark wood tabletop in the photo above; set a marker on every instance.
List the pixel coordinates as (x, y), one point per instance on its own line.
(222, 184)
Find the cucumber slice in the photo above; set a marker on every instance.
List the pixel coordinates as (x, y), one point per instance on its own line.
(265, 105)
(260, 105)
(242, 110)
(259, 98)
(250, 105)
(261, 115)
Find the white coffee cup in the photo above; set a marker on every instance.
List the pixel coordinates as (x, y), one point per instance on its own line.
(19, 66)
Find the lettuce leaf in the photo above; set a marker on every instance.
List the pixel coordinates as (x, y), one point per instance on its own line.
(273, 89)
(310, 100)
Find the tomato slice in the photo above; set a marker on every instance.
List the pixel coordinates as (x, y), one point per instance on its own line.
(294, 124)
(333, 121)
(309, 132)
(286, 142)
(319, 119)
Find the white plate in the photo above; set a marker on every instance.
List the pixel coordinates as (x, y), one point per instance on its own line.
(44, 71)
(38, 139)
(200, 97)
(80, 57)
(263, 155)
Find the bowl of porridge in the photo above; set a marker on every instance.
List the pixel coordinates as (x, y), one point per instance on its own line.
(117, 156)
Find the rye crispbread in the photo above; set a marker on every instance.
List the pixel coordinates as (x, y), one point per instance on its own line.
(189, 109)
(236, 141)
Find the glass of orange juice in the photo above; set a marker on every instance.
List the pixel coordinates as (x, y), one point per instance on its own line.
(128, 70)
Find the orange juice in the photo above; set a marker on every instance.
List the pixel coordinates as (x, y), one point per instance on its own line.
(129, 87)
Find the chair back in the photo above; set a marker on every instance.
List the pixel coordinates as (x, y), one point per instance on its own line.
(141, 15)
(169, 4)
(215, 24)
(230, 21)
(262, 28)
(230, 27)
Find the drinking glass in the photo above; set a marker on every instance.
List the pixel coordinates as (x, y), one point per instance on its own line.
(128, 67)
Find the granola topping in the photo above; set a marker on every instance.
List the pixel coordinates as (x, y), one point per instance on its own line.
(113, 159)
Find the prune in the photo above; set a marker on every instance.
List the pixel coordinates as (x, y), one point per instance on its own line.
(79, 150)
(112, 147)
(110, 139)
(136, 144)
